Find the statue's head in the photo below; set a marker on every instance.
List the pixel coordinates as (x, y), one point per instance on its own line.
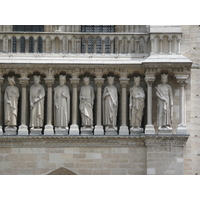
(36, 79)
(11, 80)
(110, 80)
(137, 81)
(62, 79)
(86, 80)
(164, 78)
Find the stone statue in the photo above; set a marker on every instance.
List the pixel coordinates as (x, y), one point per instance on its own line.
(165, 103)
(11, 97)
(136, 104)
(62, 104)
(110, 105)
(86, 103)
(37, 94)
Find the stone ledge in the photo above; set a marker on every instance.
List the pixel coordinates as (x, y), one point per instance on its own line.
(94, 141)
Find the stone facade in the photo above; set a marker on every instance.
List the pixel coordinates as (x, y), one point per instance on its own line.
(145, 51)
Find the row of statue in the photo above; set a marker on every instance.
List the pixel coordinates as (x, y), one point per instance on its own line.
(110, 104)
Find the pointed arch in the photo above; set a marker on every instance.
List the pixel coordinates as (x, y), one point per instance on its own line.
(61, 171)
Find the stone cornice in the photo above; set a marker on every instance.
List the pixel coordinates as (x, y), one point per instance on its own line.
(93, 141)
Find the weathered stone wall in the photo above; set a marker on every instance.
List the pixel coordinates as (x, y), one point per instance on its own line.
(111, 161)
(190, 47)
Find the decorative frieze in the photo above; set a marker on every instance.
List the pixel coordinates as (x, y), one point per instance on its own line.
(91, 141)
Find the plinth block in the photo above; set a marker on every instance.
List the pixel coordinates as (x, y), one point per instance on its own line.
(35, 131)
(98, 130)
(123, 130)
(23, 130)
(165, 130)
(86, 131)
(136, 131)
(10, 131)
(74, 130)
(110, 131)
(61, 131)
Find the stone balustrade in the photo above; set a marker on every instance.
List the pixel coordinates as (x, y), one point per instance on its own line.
(74, 42)
(165, 43)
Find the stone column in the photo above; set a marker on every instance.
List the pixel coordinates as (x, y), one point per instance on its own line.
(182, 129)
(64, 44)
(1, 82)
(119, 46)
(35, 45)
(149, 129)
(137, 46)
(52, 46)
(48, 130)
(78, 45)
(18, 45)
(178, 46)
(111, 46)
(5, 45)
(161, 46)
(26, 45)
(86, 45)
(103, 46)
(124, 128)
(152, 46)
(170, 45)
(128, 46)
(99, 128)
(95, 46)
(23, 129)
(74, 129)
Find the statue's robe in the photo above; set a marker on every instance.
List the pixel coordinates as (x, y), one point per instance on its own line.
(164, 108)
(37, 109)
(11, 97)
(86, 105)
(136, 105)
(110, 105)
(62, 106)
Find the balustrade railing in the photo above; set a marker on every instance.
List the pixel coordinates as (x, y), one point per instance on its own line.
(41, 42)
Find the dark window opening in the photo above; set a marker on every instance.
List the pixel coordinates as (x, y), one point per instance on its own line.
(28, 28)
(96, 29)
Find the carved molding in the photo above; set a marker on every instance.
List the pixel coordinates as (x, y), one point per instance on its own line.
(123, 71)
(93, 141)
(24, 81)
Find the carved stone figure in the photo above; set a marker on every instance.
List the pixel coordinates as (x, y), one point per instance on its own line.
(37, 94)
(110, 105)
(136, 104)
(165, 103)
(86, 103)
(11, 97)
(62, 104)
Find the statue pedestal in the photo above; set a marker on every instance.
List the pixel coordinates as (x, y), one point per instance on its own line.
(136, 131)
(181, 129)
(86, 131)
(123, 130)
(48, 130)
(149, 129)
(10, 131)
(23, 130)
(98, 130)
(36, 131)
(165, 130)
(110, 131)
(61, 131)
(74, 130)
